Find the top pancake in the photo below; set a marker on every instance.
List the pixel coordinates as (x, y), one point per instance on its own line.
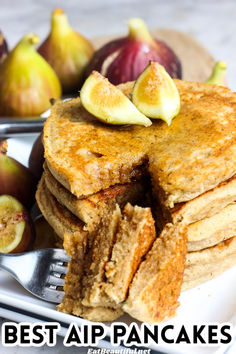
(194, 154)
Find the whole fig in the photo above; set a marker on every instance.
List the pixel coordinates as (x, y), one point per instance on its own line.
(123, 59)
(3, 47)
(66, 51)
(36, 158)
(27, 81)
(44, 234)
(15, 179)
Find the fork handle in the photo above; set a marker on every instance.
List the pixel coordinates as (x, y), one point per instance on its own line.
(15, 264)
(12, 127)
(7, 263)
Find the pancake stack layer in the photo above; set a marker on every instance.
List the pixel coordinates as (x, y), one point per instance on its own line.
(131, 252)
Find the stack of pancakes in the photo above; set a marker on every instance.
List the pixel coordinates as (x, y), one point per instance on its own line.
(211, 227)
(94, 194)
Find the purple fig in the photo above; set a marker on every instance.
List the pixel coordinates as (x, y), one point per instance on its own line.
(15, 179)
(36, 158)
(45, 236)
(3, 47)
(124, 59)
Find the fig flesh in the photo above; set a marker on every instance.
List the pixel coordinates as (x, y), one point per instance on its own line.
(27, 81)
(3, 47)
(15, 179)
(107, 103)
(218, 76)
(123, 59)
(66, 51)
(16, 232)
(155, 93)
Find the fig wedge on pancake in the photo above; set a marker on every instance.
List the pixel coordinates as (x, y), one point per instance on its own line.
(107, 103)
(155, 93)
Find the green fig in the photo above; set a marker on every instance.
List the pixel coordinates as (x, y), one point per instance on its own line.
(218, 74)
(15, 179)
(27, 81)
(66, 51)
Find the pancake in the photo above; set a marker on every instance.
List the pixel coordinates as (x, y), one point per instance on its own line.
(202, 234)
(76, 243)
(155, 288)
(213, 230)
(96, 259)
(71, 302)
(203, 206)
(60, 218)
(208, 263)
(209, 231)
(118, 248)
(86, 279)
(135, 236)
(152, 295)
(91, 209)
(191, 156)
(200, 266)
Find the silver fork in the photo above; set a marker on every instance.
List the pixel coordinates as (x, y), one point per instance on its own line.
(38, 271)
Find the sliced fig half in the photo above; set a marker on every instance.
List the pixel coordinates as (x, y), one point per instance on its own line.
(16, 232)
(155, 93)
(107, 103)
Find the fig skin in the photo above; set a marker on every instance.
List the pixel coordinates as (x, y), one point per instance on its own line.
(15, 179)
(124, 59)
(28, 235)
(36, 158)
(27, 81)
(3, 48)
(67, 51)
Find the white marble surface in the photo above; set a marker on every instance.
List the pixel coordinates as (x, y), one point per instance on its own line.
(212, 22)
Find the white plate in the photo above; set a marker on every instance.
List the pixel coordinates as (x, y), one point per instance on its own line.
(213, 301)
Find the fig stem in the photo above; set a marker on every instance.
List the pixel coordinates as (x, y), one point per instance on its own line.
(218, 74)
(3, 147)
(138, 31)
(1, 38)
(59, 22)
(29, 40)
